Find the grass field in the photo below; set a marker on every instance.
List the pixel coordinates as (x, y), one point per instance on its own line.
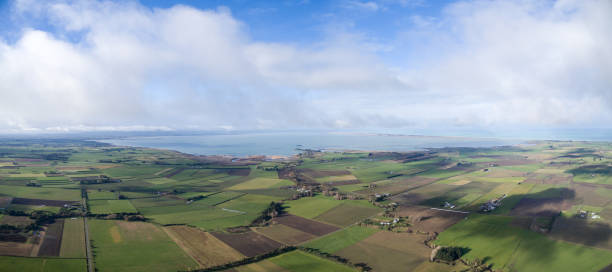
(298, 261)
(135, 246)
(261, 183)
(73, 239)
(311, 207)
(512, 248)
(40, 193)
(111, 206)
(341, 239)
(347, 213)
(11, 264)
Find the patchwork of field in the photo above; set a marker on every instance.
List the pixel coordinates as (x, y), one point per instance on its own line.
(159, 210)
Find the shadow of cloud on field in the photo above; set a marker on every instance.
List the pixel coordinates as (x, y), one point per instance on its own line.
(526, 244)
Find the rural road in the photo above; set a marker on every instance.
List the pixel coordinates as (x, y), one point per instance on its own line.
(90, 263)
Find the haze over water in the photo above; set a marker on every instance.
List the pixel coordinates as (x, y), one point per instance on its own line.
(285, 143)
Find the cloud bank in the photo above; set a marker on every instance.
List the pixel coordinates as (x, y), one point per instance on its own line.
(123, 66)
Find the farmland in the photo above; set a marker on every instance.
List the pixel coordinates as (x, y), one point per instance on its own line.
(538, 207)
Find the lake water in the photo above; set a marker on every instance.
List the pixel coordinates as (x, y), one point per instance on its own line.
(285, 143)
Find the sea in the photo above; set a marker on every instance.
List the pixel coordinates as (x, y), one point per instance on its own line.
(243, 144)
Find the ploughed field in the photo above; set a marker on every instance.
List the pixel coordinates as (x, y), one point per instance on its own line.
(544, 206)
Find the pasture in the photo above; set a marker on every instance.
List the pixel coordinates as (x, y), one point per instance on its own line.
(298, 261)
(135, 246)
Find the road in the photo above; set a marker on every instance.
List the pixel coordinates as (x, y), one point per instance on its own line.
(90, 261)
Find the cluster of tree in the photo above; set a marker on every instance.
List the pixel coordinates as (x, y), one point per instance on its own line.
(450, 254)
(33, 184)
(314, 251)
(249, 260)
(273, 210)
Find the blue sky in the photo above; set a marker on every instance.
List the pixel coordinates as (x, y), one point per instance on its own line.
(346, 64)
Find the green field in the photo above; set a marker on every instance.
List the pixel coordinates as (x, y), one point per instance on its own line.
(261, 183)
(341, 239)
(298, 261)
(73, 239)
(135, 246)
(512, 248)
(11, 264)
(40, 193)
(311, 207)
(111, 206)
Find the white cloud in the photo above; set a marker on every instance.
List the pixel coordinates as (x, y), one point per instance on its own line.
(479, 63)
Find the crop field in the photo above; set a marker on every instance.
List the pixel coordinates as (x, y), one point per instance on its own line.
(306, 225)
(284, 234)
(203, 247)
(312, 207)
(40, 193)
(261, 183)
(346, 214)
(248, 243)
(111, 206)
(298, 261)
(161, 210)
(341, 239)
(73, 239)
(11, 264)
(388, 251)
(135, 246)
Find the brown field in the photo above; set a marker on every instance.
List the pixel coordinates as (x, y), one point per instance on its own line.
(389, 251)
(400, 186)
(421, 194)
(540, 206)
(346, 214)
(342, 182)
(203, 247)
(73, 168)
(248, 243)
(174, 172)
(16, 220)
(549, 179)
(34, 201)
(285, 234)
(306, 225)
(52, 240)
(324, 173)
(581, 231)
(588, 195)
(425, 219)
(15, 249)
(239, 172)
(514, 161)
(5, 202)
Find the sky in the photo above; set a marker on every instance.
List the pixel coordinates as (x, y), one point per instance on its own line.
(69, 66)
